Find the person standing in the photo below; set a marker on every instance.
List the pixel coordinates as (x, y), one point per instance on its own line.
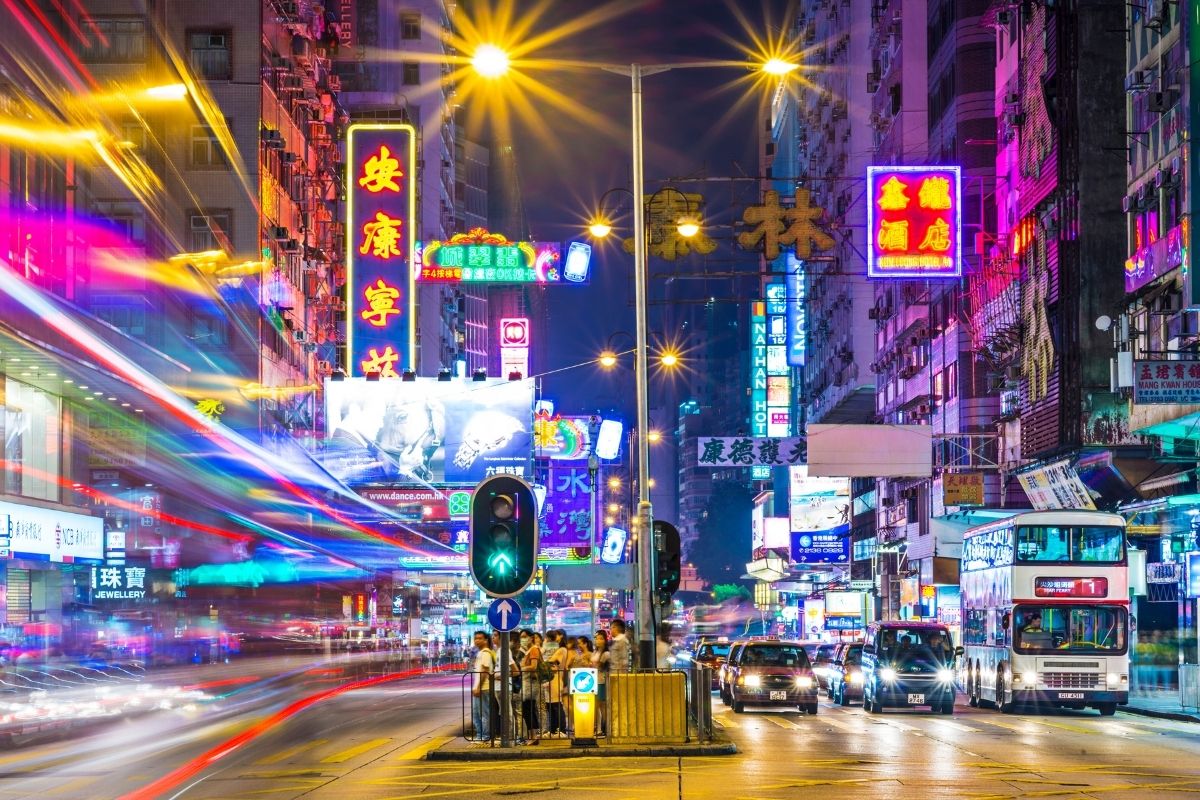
(602, 661)
(531, 687)
(621, 652)
(559, 658)
(481, 688)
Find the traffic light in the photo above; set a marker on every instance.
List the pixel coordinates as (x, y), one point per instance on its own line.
(666, 580)
(504, 535)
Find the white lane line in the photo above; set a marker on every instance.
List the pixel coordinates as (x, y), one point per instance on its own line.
(783, 723)
(958, 726)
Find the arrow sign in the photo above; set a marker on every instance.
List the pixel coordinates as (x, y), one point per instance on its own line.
(583, 680)
(504, 615)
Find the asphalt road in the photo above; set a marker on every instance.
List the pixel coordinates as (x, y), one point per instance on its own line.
(369, 743)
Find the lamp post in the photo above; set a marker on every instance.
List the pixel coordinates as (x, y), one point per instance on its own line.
(491, 62)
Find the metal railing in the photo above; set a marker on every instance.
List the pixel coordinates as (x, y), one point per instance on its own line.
(550, 701)
(700, 700)
(1189, 685)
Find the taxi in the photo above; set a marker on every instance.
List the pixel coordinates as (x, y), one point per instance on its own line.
(772, 673)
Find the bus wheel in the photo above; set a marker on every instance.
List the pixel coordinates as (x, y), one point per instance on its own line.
(1005, 706)
(1106, 709)
(973, 688)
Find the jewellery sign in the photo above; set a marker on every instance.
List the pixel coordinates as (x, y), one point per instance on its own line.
(43, 534)
(380, 244)
(118, 583)
(913, 222)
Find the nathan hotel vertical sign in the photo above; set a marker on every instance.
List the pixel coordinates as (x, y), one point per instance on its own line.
(380, 245)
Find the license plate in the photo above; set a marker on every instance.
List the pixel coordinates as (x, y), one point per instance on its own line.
(779, 695)
(1070, 695)
(916, 699)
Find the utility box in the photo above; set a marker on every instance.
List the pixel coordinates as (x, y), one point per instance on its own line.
(647, 708)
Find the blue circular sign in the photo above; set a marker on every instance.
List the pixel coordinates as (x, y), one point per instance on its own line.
(504, 615)
(583, 681)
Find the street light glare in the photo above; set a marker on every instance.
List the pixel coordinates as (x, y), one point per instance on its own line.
(599, 229)
(687, 227)
(490, 61)
(608, 359)
(668, 359)
(653, 437)
(778, 66)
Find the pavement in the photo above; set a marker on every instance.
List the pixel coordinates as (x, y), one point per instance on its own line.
(459, 749)
(372, 743)
(1162, 705)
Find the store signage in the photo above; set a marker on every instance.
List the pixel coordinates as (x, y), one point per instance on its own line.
(380, 248)
(758, 370)
(612, 551)
(797, 311)
(1164, 382)
(1154, 259)
(118, 583)
(779, 381)
(1054, 486)
(1070, 587)
(843, 603)
(1193, 575)
(44, 534)
(562, 438)
(514, 346)
(843, 623)
(820, 548)
(962, 488)
(987, 549)
(913, 222)
(735, 451)
(772, 224)
(480, 256)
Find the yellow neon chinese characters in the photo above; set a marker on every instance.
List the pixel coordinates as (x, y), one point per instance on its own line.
(935, 194)
(384, 363)
(382, 301)
(891, 195)
(381, 238)
(893, 235)
(937, 237)
(380, 172)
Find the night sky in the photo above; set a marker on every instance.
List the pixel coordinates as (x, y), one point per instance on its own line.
(689, 131)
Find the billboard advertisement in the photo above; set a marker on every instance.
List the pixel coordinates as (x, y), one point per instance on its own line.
(427, 431)
(914, 225)
(480, 256)
(380, 246)
(46, 534)
(818, 505)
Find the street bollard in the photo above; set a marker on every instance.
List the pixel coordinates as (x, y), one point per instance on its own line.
(583, 705)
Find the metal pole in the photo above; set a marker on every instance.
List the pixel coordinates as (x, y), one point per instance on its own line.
(645, 548)
(505, 699)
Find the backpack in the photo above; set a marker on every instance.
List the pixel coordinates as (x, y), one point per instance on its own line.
(545, 673)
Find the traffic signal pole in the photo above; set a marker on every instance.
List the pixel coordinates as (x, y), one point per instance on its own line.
(505, 694)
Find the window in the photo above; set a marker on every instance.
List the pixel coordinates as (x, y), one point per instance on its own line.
(209, 330)
(1075, 543)
(209, 232)
(206, 150)
(126, 313)
(133, 135)
(1069, 629)
(127, 219)
(410, 26)
(864, 549)
(32, 441)
(774, 656)
(115, 40)
(412, 73)
(210, 54)
(975, 626)
(952, 380)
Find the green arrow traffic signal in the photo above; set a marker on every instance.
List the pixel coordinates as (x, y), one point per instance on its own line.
(504, 535)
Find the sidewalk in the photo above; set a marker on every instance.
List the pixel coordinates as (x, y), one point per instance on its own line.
(1162, 705)
(459, 749)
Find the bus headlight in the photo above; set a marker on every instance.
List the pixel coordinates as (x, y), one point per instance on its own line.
(803, 681)
(1115, 680)
(1027, 678)
(888, 674)
(945, 676)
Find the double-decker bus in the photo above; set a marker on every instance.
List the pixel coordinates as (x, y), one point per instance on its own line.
(1045, 600)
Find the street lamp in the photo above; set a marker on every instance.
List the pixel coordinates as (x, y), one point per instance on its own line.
(687, 224)
(487, 60)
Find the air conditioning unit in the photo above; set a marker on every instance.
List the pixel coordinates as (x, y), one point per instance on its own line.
(873, 313)
(924, 409)
(290, 246)
(1014, 118)
(279, 233)
(1138, 81)
(1160, 102)
(1012, 99)
(300, 336)
(1127, 203)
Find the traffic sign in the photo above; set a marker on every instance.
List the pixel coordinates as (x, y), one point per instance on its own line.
(504, 615)
(583, 680)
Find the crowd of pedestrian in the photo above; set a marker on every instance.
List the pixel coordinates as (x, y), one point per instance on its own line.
(539, 669)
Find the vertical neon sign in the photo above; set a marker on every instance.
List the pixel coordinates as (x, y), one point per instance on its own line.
(758, 370)
(381, 161)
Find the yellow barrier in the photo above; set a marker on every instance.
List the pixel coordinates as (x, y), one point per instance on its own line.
(647, 708)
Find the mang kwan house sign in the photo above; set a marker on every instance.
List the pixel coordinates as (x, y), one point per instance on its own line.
(1162, 382)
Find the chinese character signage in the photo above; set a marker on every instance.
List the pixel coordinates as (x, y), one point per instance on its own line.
(480, 256)
(735, 451)
(118, 583)
(1055, 486)
(962, 488)
(913, 222)
(779, 381)
(562, 438)
(820, 548)
(427, 431)
(45, 534)
(772, 225)
(1160, 382)
(380, 247)
(514, 346)
(566, 523)
(758, 370)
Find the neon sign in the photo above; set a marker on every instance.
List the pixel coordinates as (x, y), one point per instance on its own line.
(914, 226)
(480, 256)
(380, 248)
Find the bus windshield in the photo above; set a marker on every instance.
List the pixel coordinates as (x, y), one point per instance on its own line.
(1069, 629)
(1084, 544)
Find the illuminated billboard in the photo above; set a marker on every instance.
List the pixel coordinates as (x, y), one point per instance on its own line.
(427, 431)
(566, 516)
(914, 224)
(818, 505)
(380, 247)
(570, 438)
(480, 256)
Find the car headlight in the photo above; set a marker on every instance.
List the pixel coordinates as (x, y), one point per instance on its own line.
(945, 675)
(856, 677)
(753, 681)
(888, 674)
(803, 681)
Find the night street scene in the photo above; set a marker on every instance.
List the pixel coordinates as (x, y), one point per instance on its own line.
(634, 399)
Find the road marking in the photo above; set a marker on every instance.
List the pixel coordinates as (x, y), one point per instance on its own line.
(958, 726)
(418, 753)
(904, 726)
(783, 723)
(1122, 730)
(1008, 726)
(287, 753)
(357, 750)
(1062, 726)
(726, 722)
(840, 724)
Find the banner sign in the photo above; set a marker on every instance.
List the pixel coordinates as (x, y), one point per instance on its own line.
(480, 256)
(381, 165)
(797, 311)
(1055, 486)
(1164, 382)
(735, 451)
(566, 523)
(421, 505)
(45, 534)
(962, 488)
(427, 431)
(820, 548)
(914, 222)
